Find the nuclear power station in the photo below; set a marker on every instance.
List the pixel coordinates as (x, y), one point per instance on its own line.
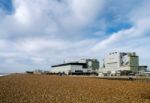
(115, 63)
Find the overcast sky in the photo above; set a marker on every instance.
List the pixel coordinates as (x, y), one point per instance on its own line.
(35, 34)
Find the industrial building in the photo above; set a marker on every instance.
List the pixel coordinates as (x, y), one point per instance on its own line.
(83, 66)
(92, 64)
(117, 62)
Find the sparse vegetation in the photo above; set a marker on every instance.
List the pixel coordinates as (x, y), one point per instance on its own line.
(62, 89)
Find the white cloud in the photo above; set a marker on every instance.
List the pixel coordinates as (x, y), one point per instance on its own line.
(22, 14)
(41, 53)
(51, 18)
(135, 39)
(86, 10)
(41, 33)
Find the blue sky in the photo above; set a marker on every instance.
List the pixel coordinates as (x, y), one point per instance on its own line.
(35, 34)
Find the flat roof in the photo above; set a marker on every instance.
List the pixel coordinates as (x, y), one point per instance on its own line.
(64, 64)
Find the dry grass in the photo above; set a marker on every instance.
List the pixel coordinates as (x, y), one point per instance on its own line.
(56, 89)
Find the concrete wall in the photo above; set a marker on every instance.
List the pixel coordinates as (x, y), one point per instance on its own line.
(61, 69)
(134, 63)
(116, 61)
(68, 68)
(93, 64)
(77, 68)
(112, 61)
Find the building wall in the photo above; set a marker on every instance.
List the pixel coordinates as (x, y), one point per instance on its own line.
(75, 68)
(93, 64)
(61, 69)
(134, 63)
(112, 61)
(143, 68)
(68, 68)
(122, 68)
(116, 61)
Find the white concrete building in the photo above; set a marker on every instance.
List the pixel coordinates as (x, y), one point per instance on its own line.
(83, 66)
(69, 68)
(119, 61)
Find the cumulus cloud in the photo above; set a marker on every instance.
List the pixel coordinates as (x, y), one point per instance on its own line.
(135, 38)
(50, 17)
(37, 34)
(41, 53)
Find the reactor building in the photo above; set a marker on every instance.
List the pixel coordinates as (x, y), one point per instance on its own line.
(116, 62)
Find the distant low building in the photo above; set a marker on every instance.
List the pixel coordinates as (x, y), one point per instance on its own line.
(143, 68)
(147, 73)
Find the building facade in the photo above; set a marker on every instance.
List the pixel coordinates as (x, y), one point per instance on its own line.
(92, 64)
(83, 66)
(120, 61)
(115, 63)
